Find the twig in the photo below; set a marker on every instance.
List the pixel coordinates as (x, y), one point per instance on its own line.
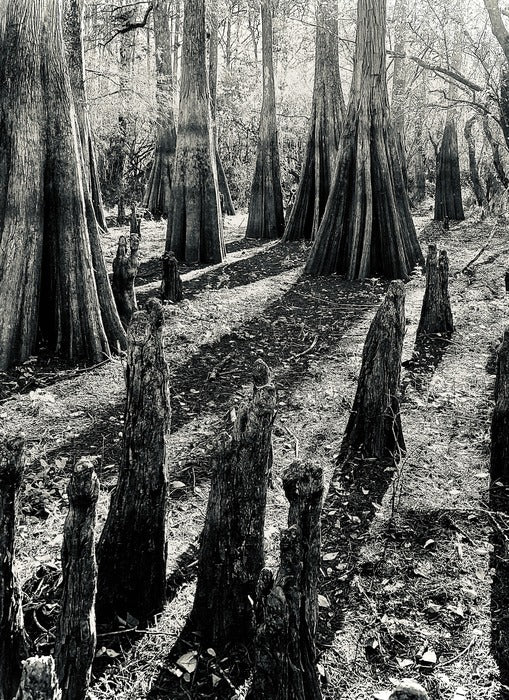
(458, 656)
(295, 438)
(305, 352)
(481, 249)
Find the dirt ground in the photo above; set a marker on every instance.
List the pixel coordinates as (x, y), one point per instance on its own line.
(418, 590)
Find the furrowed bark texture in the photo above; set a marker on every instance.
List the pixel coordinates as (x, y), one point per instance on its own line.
(367, 228)
(39, 680)
(327, 113)
(448, 200)
(125, 269)
(76, 632)
(171, 285)
(475, 179)
(49, 279)
(158, 193)
(232, 553)
(12, 638)
(266, 217)
(499, 471)
(436, 314)
(195, 227)
(132, 549)
(374, 426)
(399, 82)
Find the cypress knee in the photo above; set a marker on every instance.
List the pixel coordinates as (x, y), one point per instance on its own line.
(125, 269)
(500, 418)
(38, 680)
(12, 636)
(133, 546)
(436, 314)
(76, 633)
(171, 285)
(232, 553)
(375, 423)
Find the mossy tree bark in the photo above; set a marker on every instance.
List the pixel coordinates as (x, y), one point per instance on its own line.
(50, 280)
(436, 314)
(76, 632)
(39, 680)
(158, 192)
(367, 228)
(195, 227)
(266, 217)
(232, 551)
(13, 646)
(132, 549)
(327, 113)
(374, 426)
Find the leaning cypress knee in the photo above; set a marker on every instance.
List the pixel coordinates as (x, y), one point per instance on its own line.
(436, 314)
(132, 549)
(231, 552)
(13, 646)
(76, 632)
(374, 426)
(38, 680)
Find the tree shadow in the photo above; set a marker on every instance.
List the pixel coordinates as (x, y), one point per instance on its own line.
(426, 357)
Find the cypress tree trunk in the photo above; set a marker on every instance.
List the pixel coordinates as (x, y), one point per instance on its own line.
(132, 549)
(195, 228)
(436, 314)
(39, 680)
(475, 179)
(448, 201)
(266, 214)
(374, 426)
(43, 201)
(327, 113)
(399, 88)
(499, 469)
(76, 635)
(232, 551)
(158, 192)
(12, 637)
(367, 228)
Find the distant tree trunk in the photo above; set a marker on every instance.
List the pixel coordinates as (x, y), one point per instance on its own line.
(12, 637)
(232, 550)
(195, 227)
(224, 189)
(495, 152)
(374, 426)
(158, 192)
(266, 217)
(419, 193)
(132, 549)
(367, 228)
(502, 36)
(436, 314)
(76, 635)
(475, 179)
(399, 87)
(44, 203)
(327, 113)
(39, 680)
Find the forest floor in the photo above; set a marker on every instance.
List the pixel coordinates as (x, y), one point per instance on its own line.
(416, 589)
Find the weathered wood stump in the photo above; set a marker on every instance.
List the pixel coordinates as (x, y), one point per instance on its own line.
(125, 269)
(374, 425)
(39, 680)
(287, 606)
(76, 632)
(499, 468)
(171, 284)
(13, 646)
(132, 549)
(436, 314)
(232, 552)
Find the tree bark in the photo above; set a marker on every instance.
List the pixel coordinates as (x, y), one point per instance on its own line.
(39, 680)
(76, 634)
(499, 468)
(475, 179)
(195, 228)
(158, 192)
(171, 285)
(13, 645)
(399, 87)
(374, 426)
(436, 314)
(266, 213)
(327, 113)
(367, 229)
(495, 152)
(232, 551)
(49, 289)
(125, 269)
(132, 549)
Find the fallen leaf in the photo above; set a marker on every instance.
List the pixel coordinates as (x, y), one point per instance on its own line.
(188, 661)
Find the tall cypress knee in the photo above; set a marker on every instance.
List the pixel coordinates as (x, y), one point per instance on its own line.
(232, 553)
(76, 632)
(436, 314)
(132, 549)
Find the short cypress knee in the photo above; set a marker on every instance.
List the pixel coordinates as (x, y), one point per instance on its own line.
(132, 549)
(436, 314)
(171, 284)
(39, 680)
